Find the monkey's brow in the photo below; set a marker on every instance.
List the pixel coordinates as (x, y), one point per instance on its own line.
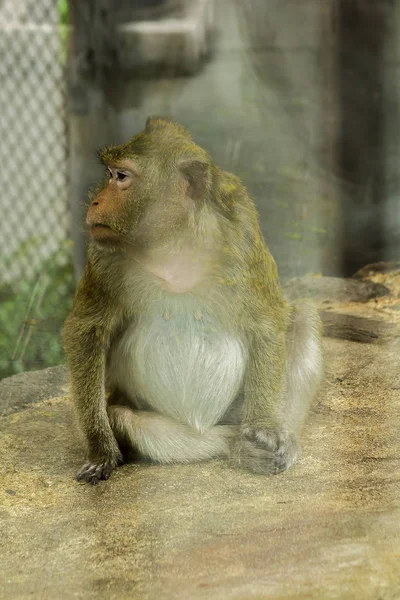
(108, 158)
(117, 162)
(114, 154)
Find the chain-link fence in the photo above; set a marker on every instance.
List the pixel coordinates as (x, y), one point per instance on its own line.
(36, 277)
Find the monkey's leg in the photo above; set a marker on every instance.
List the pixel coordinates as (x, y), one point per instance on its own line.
(269, 431)
(163, 440)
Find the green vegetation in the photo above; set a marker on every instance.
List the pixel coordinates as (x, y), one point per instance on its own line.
(32, 312)
(64, 31)
(63, 11)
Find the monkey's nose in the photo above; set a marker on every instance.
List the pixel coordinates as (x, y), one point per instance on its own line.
(96, 208)
(98, 201)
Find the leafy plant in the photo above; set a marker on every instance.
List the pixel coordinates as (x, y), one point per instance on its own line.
(32, 312)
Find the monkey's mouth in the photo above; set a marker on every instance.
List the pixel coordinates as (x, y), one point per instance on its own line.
(99, 225)
(100, 232)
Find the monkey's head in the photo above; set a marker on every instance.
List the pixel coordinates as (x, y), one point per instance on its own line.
(155, 185)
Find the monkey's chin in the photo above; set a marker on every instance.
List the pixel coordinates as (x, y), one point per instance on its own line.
(104, 237)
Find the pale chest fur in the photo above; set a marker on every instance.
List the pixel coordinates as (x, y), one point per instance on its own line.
(176, 359)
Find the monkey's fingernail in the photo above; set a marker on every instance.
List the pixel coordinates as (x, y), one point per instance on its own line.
(167, 315)
(197, 315)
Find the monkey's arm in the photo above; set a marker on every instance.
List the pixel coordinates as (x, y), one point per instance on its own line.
(86, 338)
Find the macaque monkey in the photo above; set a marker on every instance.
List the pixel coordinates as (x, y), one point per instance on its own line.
(180, 344)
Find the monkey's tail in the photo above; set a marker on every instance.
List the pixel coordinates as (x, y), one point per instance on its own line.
(304, 362)
(163, 440)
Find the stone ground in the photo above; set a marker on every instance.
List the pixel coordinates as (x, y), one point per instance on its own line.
(329, 528)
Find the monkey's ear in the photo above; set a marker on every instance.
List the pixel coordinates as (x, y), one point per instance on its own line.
(154, 123)
(197, 175)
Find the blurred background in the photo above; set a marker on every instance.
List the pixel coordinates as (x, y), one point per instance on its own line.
(300, 98)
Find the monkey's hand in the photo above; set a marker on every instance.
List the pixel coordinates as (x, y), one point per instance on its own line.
(266, 451)
(94, 471)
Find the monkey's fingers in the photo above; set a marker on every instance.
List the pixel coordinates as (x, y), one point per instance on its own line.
(93, 473)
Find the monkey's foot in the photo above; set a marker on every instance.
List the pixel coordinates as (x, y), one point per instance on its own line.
(266, 451)
(94, 472)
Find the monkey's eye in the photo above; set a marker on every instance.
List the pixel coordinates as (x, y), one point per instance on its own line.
(121, 176)
(123, 179)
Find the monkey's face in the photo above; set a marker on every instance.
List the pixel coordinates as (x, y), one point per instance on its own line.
(139, 206)
(152, 191)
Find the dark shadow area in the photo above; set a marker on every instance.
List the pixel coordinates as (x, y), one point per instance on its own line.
(362, 33)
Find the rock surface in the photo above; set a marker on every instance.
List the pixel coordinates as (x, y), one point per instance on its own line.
(334, 289)
(329, 528)
(28, 388)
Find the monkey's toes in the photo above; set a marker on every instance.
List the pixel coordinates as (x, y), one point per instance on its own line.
(273, 440)
(93, 473)
(266, 451)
